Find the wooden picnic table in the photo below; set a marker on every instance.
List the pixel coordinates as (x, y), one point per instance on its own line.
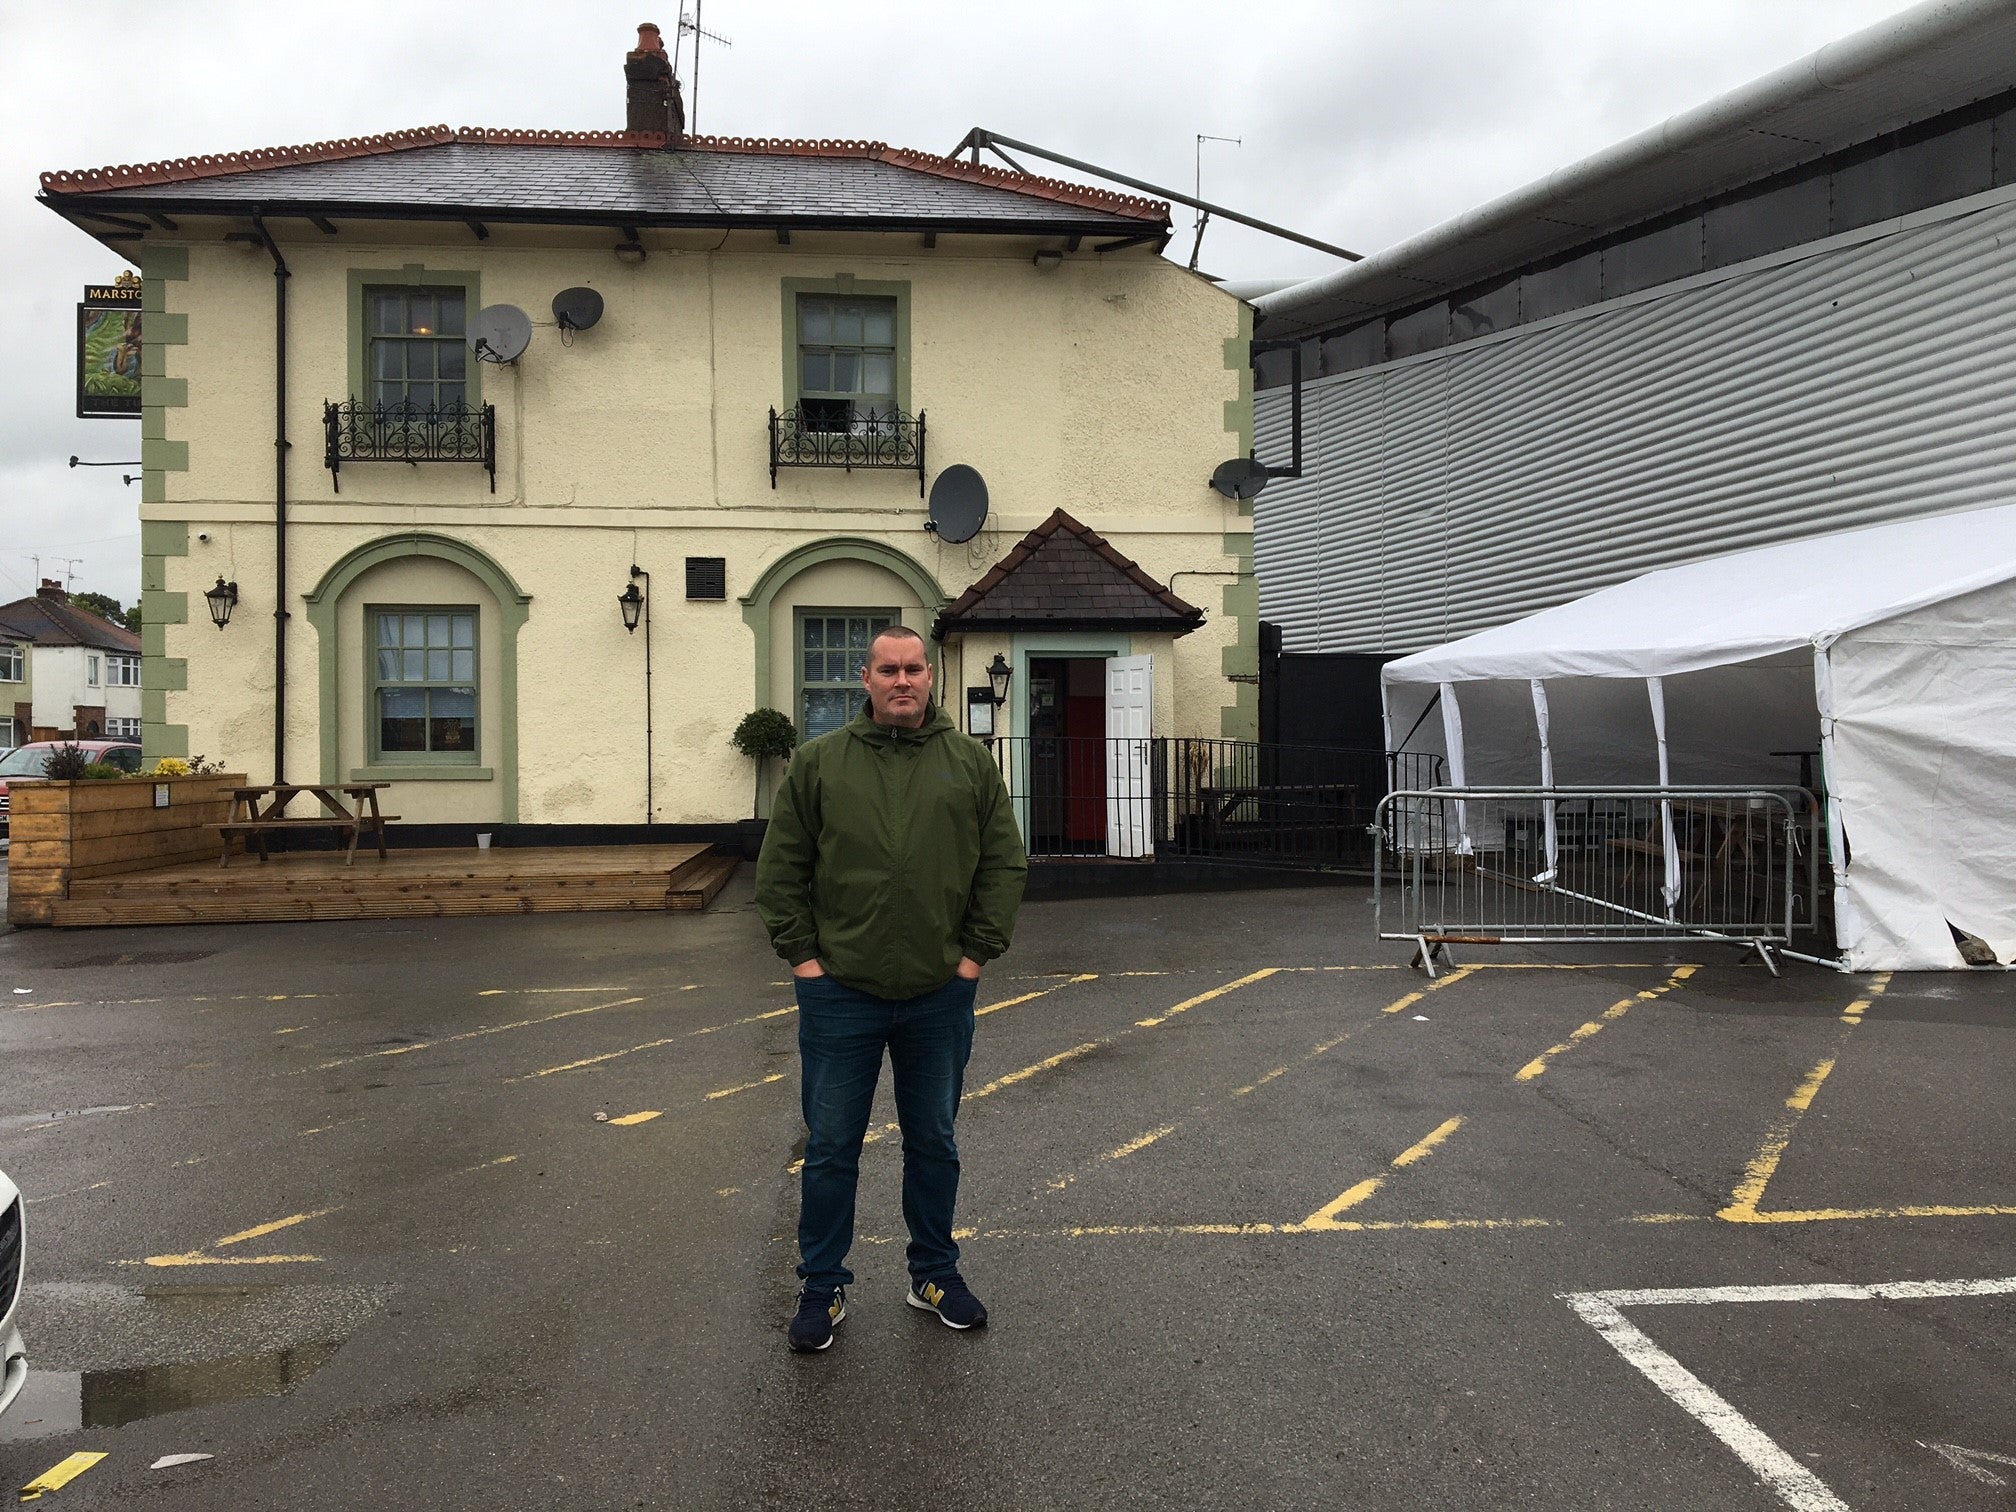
(257, 812)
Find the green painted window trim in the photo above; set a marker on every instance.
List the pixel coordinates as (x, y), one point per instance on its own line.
(412, 275)
(758, 601)
(372, 683)
(847, 284)
(513, 609)
(799, 613)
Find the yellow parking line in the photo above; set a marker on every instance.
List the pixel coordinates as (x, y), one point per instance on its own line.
(629, 1119)
(454, 1039)
(1837, 1215)
(1609, 1015)
(1138, 1142)
(1448, 980)
(1742, 1205)
(262, 1230)
(60, 1474)
(1084, 976)
(1326, 1216)
(1026, 1072)
(775, 1076)
(656, 1044)
(1204, 997)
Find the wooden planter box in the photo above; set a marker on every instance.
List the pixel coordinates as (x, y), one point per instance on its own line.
(65, 831)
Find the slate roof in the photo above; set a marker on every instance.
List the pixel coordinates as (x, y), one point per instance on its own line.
(562, 176)
(1064, 574)
(48, 622)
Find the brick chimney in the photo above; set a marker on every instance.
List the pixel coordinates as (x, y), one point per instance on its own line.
(51, 589)
(654, 103)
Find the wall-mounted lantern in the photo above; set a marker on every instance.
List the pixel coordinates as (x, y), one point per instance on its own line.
(631, 602)
(999, 675)
(222, 600)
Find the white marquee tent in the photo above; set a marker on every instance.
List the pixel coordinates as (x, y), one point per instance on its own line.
(1889, 653)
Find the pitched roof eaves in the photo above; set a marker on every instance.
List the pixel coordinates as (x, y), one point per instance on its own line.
(961, 612)
(169, 204)
(218, 165)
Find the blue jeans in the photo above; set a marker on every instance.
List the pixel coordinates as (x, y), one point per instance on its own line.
(841, 1036)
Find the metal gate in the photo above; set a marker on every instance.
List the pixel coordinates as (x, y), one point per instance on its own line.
(1528, 865)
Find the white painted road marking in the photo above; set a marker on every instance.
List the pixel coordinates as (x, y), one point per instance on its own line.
(1961, 1458)
(1795, 1485)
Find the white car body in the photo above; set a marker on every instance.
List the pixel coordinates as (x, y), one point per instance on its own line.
(13, 1279)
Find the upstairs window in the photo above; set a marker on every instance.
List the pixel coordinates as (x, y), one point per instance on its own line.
(846, 359)
(415, 357)
(13, 663)
(91, 671)
(423, 688)
(122, 671)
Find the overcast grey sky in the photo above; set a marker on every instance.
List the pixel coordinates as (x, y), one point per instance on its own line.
(1362, 122)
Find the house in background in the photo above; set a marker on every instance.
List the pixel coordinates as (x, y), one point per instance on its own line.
(65, 671)
(1784, 313)
(17, 685)
(762, 358)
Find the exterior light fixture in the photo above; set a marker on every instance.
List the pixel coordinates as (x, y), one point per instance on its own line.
(631, 251)
(222, 600)
(1048, 260)
(999, 675)
(631, 602)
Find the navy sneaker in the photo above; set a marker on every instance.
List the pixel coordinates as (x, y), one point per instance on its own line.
(948, 1297)
(819, 1310)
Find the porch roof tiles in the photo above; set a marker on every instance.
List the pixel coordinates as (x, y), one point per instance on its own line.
(1063, 574)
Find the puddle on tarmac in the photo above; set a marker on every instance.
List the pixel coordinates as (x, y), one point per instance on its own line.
(69, 1401)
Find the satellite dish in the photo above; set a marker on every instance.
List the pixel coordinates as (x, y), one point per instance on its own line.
(958, 504)
(500, 333)
(577, 309)
(1240, 478)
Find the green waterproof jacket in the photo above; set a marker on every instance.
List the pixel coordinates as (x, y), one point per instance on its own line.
(890, 854)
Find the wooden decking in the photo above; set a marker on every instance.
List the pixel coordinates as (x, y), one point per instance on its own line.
(410, 884)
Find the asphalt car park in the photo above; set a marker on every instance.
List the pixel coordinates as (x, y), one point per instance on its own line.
(472, 1212)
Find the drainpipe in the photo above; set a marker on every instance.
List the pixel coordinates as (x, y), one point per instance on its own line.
(280, 448)
(650, 782)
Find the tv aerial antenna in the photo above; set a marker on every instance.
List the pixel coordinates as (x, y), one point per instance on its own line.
(1204, 215)
(691, 24)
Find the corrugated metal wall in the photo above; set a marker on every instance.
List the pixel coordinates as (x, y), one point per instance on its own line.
(1446, 494)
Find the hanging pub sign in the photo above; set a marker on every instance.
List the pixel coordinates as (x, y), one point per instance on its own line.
(108, 349)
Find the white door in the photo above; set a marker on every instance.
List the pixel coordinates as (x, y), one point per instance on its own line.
(1130, 698)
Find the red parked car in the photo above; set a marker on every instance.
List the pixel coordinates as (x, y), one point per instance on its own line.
(24, 763)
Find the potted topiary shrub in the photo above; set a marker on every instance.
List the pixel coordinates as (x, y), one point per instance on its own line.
(763, 733)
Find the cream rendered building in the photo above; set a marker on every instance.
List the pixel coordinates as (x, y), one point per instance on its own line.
(452, 626)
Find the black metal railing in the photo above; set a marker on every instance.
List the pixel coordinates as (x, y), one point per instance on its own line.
(360, 432)
(1204, 800)
(1282, 805)
(820, 435)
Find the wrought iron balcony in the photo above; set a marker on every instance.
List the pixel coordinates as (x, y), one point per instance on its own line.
(360, 432)
(823, 435)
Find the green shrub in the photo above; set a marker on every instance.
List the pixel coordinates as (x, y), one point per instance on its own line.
(66, 763)
(100, 771)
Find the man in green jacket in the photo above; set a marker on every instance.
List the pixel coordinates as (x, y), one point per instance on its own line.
(891, 873)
